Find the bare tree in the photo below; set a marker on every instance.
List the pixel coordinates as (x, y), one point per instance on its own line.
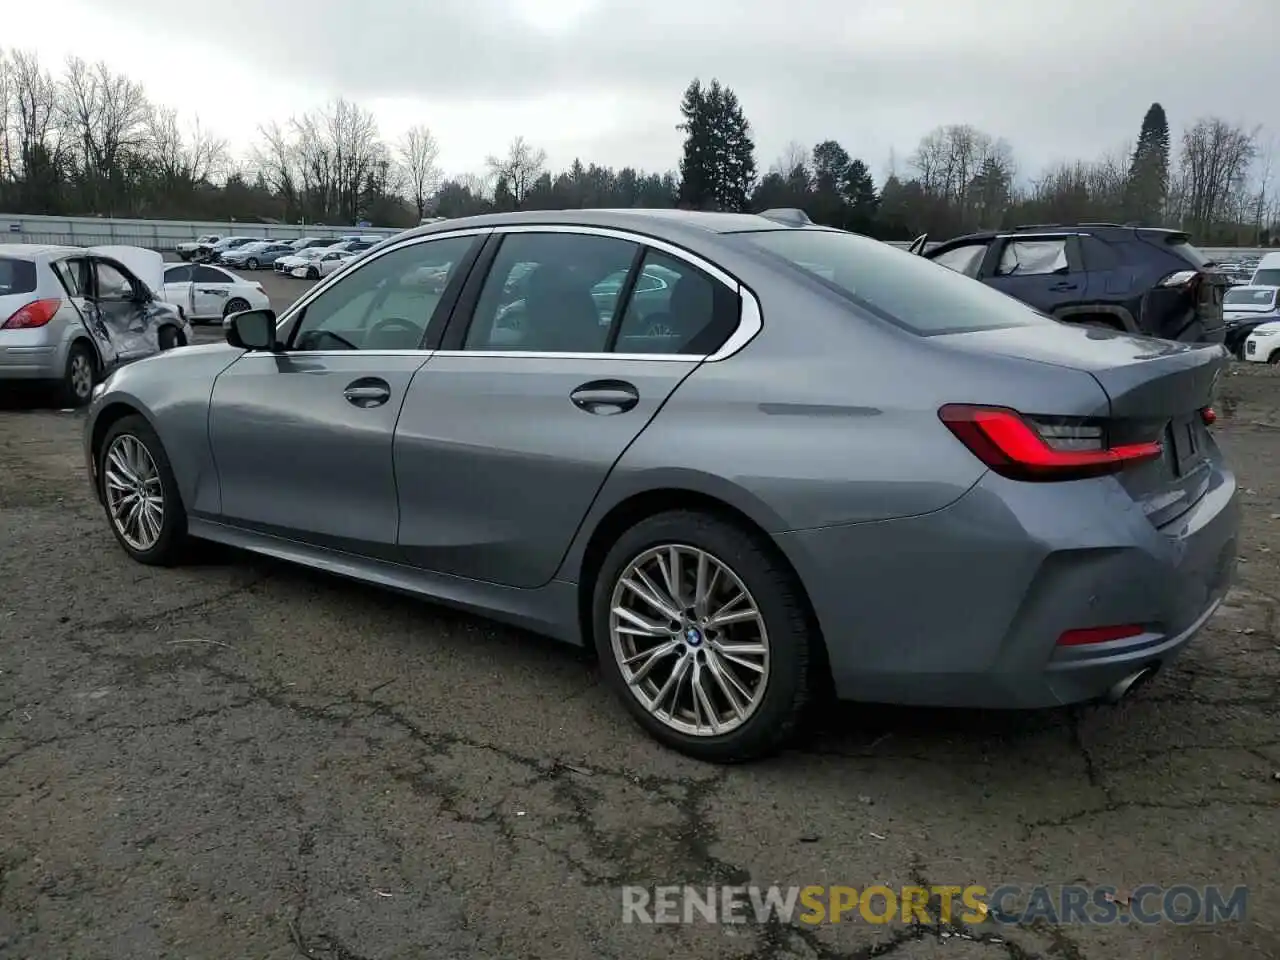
(1215, 163)
(794, 154)
(106, 116)
(418, 152)
(275, 159)
(519, 169)
(184, 159)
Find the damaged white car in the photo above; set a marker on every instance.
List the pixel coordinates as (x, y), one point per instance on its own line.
(69, 315)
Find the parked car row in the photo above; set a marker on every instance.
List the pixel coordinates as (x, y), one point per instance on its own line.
(259, 253)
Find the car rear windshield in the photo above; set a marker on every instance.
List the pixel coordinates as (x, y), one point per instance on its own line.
(16, 276)
(902, 288)
(1250, 297)
(1267, 278)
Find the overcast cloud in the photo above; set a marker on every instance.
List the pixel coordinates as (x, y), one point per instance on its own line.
(601, 79)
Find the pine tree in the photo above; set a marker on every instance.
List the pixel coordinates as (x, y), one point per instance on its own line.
(1147, 186)
(859, 191)
(718, 167)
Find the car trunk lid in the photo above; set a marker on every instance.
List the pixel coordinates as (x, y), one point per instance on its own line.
(1156, 390)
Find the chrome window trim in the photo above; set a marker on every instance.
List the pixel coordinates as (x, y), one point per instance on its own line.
(750, 317)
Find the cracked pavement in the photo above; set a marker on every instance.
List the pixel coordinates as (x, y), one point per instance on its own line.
(246, 759)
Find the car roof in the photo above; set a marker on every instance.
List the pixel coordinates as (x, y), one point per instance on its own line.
(658, 222)
(33, 251)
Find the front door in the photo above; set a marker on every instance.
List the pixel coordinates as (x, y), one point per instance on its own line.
(508, 434)
(120, 306)
(302, 438)
(211, 288)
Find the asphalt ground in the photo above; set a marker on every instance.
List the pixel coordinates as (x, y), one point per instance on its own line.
(242, 759)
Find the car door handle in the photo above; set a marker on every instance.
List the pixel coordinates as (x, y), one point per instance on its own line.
(367, 392)
(1064, 285)
(605, 397)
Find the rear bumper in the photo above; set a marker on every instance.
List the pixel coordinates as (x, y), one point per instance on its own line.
(963, 607)
(30, 362)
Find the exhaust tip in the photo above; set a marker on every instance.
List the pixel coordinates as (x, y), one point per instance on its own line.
(1129, 684)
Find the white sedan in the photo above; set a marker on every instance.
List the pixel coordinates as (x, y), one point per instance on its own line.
(1263, 344)
(207, 292)
(324, 263)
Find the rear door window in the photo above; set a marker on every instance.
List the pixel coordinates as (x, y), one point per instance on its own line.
(17, 276)
(675, 308)
(898, 287)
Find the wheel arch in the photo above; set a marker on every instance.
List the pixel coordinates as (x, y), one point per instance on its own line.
(1104, 311)
(638, 507)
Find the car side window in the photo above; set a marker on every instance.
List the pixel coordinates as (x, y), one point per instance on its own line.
(1097, 255)
(1025, 258)
(113, 284)
(385, 303)
(178, 275)
(204, 274)
(966, 259)
(538, 295)
(74, 275)
(676, 308)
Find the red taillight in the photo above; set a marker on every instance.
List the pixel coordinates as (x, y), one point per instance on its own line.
(1208, 417)
(1087, 635)
(1014, 447)
(34, 314)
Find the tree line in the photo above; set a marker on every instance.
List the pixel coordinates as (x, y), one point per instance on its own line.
(88, 141)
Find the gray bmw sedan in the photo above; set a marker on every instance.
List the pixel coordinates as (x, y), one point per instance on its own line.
(745, 457)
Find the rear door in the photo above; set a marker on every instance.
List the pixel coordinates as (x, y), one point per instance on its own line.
(548, 370)
(1043, 271)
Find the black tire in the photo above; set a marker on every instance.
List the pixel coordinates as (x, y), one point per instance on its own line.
(313, 273)
(169, 338)
(779, 601)
(234, 305)
(79, 376)
(1275, 357)
(251, 264)
(170, 547)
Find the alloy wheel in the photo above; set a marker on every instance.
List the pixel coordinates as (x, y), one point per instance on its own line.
(81, 375)
(689, 640)
(134, 493)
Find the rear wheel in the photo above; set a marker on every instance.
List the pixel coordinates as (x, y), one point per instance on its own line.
(169, 338)
(77, 379)
(235, 305)
(702, 633)
(140, 493)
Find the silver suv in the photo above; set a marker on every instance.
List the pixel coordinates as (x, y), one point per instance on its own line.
(68, 315)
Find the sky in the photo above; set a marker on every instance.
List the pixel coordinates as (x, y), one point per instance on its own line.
(602, 79)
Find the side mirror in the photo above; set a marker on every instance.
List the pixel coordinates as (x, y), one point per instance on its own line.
(251, 330)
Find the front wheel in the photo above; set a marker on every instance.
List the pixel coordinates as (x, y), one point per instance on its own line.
(140, 494)
(313, 273)
(234, 305)
(251, 264)
(169, 338)
(702, 633)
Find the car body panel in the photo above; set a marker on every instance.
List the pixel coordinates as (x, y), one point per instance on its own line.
(479, 483)
(475, 427)
(274, 422)
(174, 397)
